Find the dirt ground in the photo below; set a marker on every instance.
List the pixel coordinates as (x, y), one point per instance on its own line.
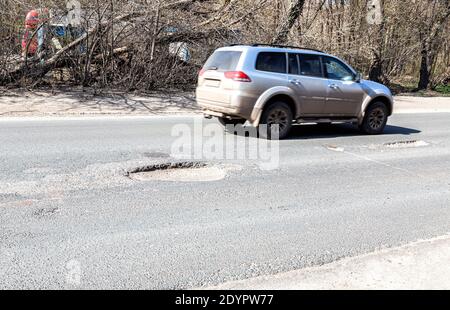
(79, 102)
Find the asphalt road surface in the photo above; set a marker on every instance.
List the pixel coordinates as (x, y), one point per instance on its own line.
(70, 217)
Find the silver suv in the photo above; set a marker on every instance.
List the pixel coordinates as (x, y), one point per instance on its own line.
(279, 85)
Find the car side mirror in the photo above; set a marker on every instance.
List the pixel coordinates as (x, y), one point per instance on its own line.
(358, 77)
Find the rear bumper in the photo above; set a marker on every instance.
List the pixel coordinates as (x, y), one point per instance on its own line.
(238, 105)
(217, 110)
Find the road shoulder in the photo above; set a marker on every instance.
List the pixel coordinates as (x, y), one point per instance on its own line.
(409, 104)
(88, 103)
(416, 266)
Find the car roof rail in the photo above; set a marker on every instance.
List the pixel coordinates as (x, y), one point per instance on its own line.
(278, 46)
(287, 46)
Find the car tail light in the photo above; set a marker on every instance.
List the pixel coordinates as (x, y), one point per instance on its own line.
(238, 76)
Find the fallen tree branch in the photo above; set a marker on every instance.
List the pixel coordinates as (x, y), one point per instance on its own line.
(38, 69)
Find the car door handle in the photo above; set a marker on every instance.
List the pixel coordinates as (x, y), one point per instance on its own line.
(295, 82)
(334, 86)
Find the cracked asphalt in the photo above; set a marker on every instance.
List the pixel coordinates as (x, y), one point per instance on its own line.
(71, 218)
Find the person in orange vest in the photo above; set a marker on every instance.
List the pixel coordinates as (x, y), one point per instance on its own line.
(29, 44)
(33, 44)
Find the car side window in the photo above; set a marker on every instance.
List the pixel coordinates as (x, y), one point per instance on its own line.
(336, 70)
(271, 62)
(310, 65)
(293, 64)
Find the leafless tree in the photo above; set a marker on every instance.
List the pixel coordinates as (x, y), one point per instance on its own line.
(133, 44)
(431, 25)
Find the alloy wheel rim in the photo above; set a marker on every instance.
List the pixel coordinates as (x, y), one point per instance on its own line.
(376, 118)
(278, 117)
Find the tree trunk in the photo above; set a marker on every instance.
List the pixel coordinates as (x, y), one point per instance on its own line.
(430, 46)
(283, 30)
(376, 70)
(424, 79)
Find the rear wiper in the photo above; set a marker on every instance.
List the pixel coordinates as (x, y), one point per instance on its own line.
(213, 68)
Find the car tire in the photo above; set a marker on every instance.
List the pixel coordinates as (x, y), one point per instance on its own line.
(277, 113)
(375, 119)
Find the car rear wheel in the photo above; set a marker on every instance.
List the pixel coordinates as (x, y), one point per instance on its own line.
(375, 119)
(276, 121)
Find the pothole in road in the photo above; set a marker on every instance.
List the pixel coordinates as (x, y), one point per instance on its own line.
(179, 172)
(406, 144)
(45, 212)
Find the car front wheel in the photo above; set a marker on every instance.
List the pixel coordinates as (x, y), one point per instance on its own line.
(375, 119)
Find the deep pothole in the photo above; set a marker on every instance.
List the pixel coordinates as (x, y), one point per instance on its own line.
(178, 172)
(43, 212)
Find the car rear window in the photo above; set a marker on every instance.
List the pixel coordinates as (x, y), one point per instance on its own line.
(271, 62)
(223, 61)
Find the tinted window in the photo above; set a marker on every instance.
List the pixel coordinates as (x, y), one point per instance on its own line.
(293, 64)
(310, 65)
(336, 70)
(223, 61)
(271, 62)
